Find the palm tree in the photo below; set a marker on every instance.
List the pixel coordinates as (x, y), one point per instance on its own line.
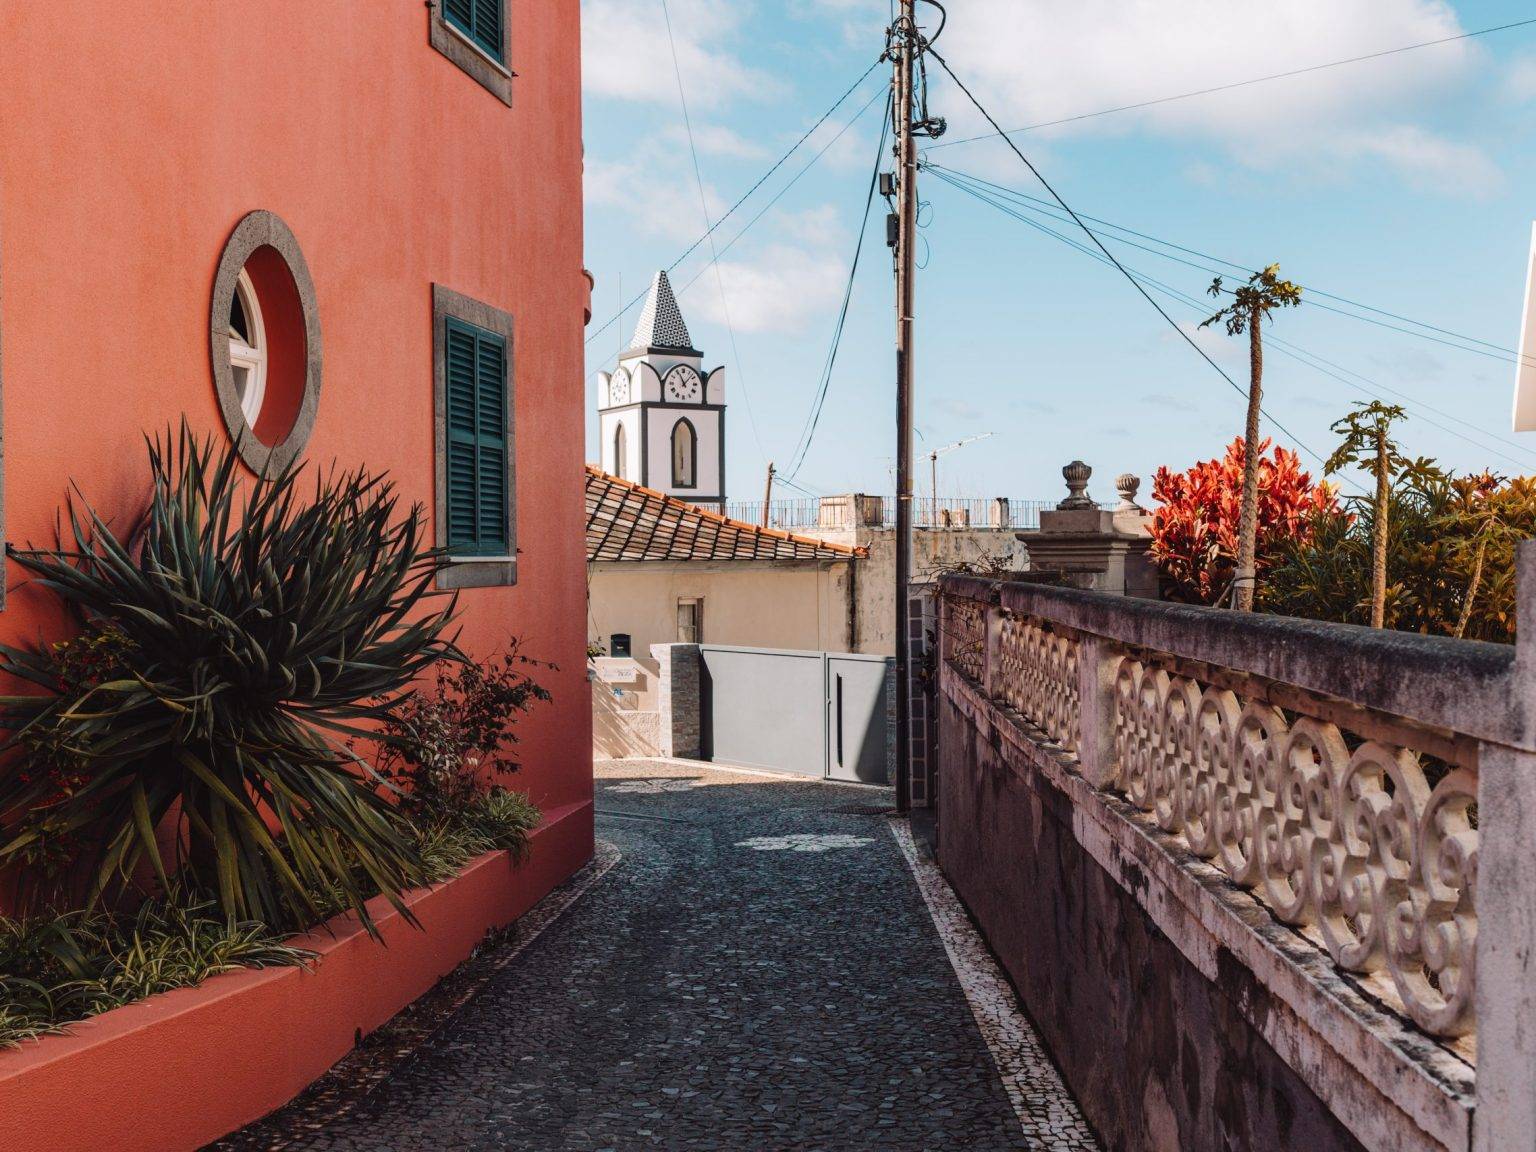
(1367, 442)
(1263, 293)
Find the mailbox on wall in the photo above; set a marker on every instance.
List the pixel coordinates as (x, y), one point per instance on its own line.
(618, 644)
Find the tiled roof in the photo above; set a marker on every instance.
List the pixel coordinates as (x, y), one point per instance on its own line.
(661, 320)
(628, 522)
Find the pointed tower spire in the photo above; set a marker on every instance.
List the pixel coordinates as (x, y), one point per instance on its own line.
(661, 321)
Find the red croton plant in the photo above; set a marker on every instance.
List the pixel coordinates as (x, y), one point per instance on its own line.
(1194, 530)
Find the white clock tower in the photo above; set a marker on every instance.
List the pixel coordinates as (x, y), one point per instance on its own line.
(661, 417)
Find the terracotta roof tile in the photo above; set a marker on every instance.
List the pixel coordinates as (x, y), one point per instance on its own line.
(630, 523)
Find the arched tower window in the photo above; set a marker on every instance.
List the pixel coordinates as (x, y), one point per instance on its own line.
(620, 450)
(684, 455)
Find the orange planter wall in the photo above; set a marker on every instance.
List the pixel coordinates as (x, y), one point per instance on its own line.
(176, 1071)
(137, 133)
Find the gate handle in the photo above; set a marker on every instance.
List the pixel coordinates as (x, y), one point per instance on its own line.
(839, 719)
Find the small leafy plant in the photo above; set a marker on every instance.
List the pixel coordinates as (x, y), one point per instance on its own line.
(445, 744)
(55, 970)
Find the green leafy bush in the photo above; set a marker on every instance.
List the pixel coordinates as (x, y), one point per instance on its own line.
(1450, 556)
(232, 645)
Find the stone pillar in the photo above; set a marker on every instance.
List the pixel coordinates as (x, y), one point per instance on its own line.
(1097, 662)
(1506, 908)
(677, 687)
(999, 514)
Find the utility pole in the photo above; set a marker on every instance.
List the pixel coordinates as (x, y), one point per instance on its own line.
(903, 60)
(768, 494)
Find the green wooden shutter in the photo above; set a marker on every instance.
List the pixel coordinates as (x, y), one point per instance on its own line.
(477, 448)
(488, 15)
(480, 20)
(491, 402)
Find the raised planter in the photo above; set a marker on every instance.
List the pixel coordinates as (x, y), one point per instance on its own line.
(178, 1070)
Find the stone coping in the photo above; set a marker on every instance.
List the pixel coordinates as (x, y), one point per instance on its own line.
(1461, 686)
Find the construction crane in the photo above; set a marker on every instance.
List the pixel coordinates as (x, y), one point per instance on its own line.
(933, 468)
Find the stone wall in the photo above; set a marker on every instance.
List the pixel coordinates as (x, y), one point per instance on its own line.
(1264, 883)
(1160, 1057)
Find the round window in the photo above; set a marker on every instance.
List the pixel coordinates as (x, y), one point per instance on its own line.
(265, 343)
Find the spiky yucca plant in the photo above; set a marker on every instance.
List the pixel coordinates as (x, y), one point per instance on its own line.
(234, 641)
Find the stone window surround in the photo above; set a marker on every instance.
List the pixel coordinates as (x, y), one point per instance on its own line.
(255, 230)
(473, 571)
(490, 74)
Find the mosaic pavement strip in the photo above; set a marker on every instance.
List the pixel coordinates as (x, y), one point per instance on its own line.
(1046, 1110)
(382, 1053)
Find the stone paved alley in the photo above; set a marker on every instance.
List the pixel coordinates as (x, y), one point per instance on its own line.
(752, 964)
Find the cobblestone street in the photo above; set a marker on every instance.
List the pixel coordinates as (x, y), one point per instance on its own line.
(759, 967)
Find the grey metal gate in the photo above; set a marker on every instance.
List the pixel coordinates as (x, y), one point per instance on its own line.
(826, 714)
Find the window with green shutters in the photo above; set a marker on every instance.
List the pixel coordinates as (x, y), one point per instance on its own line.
(480, 20)
(476, 403)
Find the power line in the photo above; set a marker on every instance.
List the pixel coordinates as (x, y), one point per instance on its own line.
(808, 435)
(709, 233)
(1034, 203)
(1112, 258)
(764, 210)
(1229, 87)
(745, 196)
(1284, 347)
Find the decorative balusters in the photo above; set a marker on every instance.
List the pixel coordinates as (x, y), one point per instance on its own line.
(965, 637)
(1344, 835)
(1038, 677)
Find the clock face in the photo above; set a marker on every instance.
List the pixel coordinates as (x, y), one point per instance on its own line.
(683, 386)
(618, 388)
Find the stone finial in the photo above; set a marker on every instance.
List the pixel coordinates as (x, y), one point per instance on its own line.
(1127, 485)
(1076, 475)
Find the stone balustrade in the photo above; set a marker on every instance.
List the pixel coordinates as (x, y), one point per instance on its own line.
(1373, 792)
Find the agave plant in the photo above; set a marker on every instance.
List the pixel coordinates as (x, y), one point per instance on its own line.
(233, 645)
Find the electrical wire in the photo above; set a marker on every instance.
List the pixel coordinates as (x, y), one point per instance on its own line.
(1172, 323)
(709, 234)
(1034, 203)
(764, 210)
(1236, 84)
(808, 434)
(745, 196)
(1283, 347)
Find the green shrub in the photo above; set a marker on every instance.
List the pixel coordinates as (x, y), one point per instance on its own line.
(232, 645)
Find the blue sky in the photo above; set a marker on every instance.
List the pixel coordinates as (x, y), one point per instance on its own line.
(1406, 183)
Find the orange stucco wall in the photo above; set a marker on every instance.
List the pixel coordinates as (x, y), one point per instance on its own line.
(134, 134)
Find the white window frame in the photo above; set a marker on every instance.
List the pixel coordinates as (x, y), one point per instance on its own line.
(252, 357)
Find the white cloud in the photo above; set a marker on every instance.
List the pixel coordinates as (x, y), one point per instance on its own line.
(716, 140)
(662, 200)
(784, 287)
(625, 52)
(1054, 59)
(1520, 82)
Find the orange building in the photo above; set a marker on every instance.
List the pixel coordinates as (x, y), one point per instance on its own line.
(287, 216)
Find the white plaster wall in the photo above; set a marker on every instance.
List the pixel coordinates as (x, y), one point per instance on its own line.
(608, 423)
(707, 425)
(714, 386)
(757, 604)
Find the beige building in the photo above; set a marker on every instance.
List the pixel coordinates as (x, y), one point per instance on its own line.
(663, 571)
